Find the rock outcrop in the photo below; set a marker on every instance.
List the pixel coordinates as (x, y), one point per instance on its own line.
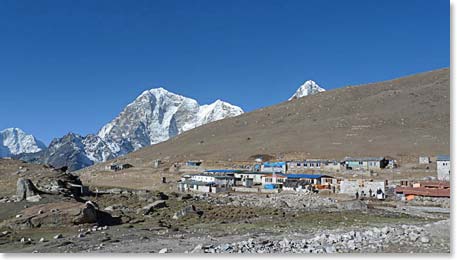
(151, 207)
(25, 189)
(60, 214)
(55, 215)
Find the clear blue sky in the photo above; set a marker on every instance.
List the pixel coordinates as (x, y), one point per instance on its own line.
(73, 65)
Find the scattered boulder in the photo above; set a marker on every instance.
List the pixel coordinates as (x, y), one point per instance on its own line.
(56, 215)
(155, 205)
(424, 239)
(191, 209)
(62, 183)
(163, 251)
(25, 189)
(413, 236)
(116, 207)
(162, 196)
(114, 191)
(197, 250)
(88, 214)
(35, 198)
(185, 197)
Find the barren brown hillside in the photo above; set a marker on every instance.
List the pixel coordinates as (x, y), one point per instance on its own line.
(402, 118)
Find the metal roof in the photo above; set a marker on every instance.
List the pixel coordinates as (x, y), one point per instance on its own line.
(443, 158)
(314, 160)
(252, 173)
(364, 159)
(223, 177)
(307, 176)
(224, 171)
(424, 192)
(274, 164)
(277, 175)
(199, 183)
(213, 176)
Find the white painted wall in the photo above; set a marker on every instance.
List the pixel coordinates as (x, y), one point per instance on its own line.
(443, 169)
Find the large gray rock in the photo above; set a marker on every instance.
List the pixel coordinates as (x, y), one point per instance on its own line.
(155, 205)
(35, 198)
(57, 214)
(25, 189)
(191, 209)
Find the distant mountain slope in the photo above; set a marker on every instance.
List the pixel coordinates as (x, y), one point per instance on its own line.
(14, 141)
(403, 118)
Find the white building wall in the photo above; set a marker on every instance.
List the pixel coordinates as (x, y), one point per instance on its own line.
(203, 188)
(443, 169)
(203, 178)
(424, 160)
(351, 187)
(273, 169)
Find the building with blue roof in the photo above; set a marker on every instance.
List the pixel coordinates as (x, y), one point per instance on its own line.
(274, 167)
(299, 166)
(443, 167)
(223, 171)
(303, 180)
(307, 176)
(256, 177)
(443, 157)
(366, 163)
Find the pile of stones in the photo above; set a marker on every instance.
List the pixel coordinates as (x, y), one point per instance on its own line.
(371, 240)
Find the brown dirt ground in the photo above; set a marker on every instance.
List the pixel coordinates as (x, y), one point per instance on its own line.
(402, 118)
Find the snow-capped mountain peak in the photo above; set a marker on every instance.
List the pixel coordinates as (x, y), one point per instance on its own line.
(14, 141)
(308, 88)
(157, 115)
(154, 116)
(216, 111)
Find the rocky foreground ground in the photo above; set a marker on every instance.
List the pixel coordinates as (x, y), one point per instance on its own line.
(429, 238)
(202, 224)
(47, 213)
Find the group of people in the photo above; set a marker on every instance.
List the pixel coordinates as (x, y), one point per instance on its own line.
(379, 194)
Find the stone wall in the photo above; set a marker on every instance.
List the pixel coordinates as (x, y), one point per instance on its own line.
(351, 187)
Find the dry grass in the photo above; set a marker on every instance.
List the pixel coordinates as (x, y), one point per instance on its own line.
(134, 178)
(402, 118)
